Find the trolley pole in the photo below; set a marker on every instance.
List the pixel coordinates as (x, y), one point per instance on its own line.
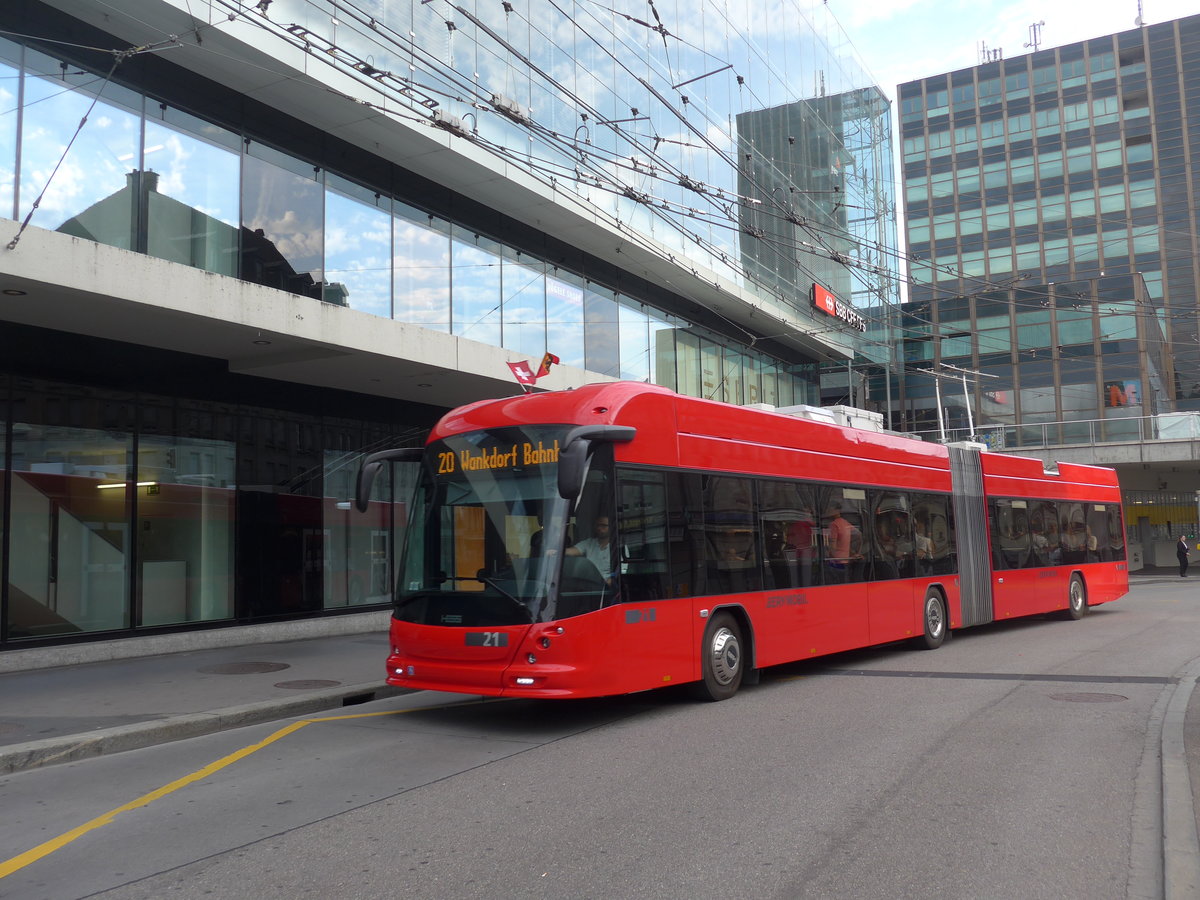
(967, 396)
(937, 387)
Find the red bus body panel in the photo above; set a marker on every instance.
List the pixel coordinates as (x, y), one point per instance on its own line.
(640, 646)
(615, 650)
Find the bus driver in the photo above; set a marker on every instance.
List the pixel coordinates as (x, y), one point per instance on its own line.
(596, 549)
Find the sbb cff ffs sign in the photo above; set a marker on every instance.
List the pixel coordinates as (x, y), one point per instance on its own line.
(825, 301)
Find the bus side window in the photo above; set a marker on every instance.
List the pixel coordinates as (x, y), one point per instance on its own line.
(1045, 548)
(1074, 532)
(791, 533)
(932, 535)
(685, 535)
(893, 547)
(1100, 541)
(1116, 533)
(642, 526)
(843, 549)
(1010, 535)
(731, 531)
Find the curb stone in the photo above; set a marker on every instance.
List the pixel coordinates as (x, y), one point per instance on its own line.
(73, 747)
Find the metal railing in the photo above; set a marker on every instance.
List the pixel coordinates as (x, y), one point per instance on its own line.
(1183, 426)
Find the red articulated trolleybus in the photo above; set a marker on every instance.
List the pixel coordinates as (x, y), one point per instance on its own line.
(621, 537)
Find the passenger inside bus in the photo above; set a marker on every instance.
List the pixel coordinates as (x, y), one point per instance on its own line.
(841, 555)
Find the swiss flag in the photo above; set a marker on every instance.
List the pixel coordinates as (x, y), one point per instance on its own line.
(522, 372)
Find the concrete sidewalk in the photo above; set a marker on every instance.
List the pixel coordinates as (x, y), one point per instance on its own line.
(53, 715)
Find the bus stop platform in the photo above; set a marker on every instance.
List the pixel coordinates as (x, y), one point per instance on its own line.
(71, 712)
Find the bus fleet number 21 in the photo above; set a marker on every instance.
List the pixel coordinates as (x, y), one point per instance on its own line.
(487, 639)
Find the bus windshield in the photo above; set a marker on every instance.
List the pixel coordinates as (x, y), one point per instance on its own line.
(488, 541)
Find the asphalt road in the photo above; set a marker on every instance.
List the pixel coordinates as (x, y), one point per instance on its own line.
(1020, 760)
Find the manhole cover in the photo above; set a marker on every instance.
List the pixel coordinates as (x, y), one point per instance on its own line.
(1088, 697)
(307, 684)
(243, 668)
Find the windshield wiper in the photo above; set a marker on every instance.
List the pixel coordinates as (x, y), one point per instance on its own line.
(399, 604)
(491, 582)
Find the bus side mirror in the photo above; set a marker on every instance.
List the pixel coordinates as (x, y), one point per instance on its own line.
(370, 467)
(577, 445)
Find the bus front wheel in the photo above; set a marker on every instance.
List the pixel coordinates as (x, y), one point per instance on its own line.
(721, 659)
(1076, 599)
(934, 617)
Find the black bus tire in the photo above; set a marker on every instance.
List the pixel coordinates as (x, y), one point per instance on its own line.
(721, 659)
(933, 616)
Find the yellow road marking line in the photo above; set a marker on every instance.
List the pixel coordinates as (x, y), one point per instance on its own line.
(43, 850)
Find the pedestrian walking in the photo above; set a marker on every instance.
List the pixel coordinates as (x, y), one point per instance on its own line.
(1181, 550)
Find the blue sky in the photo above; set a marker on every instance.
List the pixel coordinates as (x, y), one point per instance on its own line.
(902, 40)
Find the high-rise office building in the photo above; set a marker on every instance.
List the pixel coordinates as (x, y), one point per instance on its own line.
(246, 241)
(1059, 191)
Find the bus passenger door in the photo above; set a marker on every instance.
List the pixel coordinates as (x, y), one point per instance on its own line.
(654, 630)
(892, 563)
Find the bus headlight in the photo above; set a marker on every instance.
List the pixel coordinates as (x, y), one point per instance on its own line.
(531, 659)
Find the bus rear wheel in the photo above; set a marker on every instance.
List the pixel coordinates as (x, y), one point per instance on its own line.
(1076, 599)
(934, 616)
(721, 661)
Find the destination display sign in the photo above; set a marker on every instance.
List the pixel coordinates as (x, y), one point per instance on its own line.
(825, 300)
(517, 455)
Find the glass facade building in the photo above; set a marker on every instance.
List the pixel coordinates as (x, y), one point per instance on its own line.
(1052, 194)
(528, 178)
(297, 226)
